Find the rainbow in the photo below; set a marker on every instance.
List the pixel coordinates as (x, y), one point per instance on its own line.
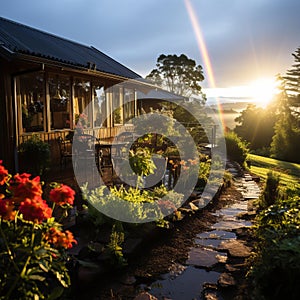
(204, 53)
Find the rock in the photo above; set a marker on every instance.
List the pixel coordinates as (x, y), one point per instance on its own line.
(236, 248)
(202, 257)
(226, 280)
(210, 295)
(231, 268)
(145, 296)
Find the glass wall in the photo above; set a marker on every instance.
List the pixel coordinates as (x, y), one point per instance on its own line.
(31, 101)
(129, 104)
(49, 101)
(60, 101)
(82, 99)
(99, 111)
(117, 105)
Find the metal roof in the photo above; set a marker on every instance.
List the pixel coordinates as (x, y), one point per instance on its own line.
(19, 38)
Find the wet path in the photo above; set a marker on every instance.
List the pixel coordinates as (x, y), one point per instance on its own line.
(215, 256)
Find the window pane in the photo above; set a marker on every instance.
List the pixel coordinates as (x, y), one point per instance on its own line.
(99, 102)
(82, 99)
(59, 89)
(129, 96)
(30, 92)
(117, 106)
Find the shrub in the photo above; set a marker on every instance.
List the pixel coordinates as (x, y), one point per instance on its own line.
(237, 150)
(275, 267)
(34, 156)
(271, 190)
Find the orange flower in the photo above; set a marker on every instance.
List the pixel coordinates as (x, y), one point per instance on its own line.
(60, 239)
(3, 174)
(193, 162)
(182, 162)
(22, 187)
(62, 194)
(35, 210)
(7, 211)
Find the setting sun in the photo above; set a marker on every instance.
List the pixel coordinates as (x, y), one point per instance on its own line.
(262, 90)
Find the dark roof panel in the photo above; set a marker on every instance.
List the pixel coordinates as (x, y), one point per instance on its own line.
(20, 38)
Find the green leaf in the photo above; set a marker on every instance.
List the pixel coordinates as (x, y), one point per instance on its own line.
(44, 267)
(36, 277)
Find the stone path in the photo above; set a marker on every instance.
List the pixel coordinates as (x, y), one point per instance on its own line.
(218, 255)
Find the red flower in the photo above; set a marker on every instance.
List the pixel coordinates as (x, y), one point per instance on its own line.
(60, 239)
(62, 194)
(22, 187)
(7, 211)
(3, 174)
(35, 210)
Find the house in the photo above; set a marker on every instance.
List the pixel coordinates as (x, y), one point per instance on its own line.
(155, 98)
(47, 83)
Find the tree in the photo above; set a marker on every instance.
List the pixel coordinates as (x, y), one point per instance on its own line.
(179, 75)
(285, 142)
(291, 84)
(256, 126)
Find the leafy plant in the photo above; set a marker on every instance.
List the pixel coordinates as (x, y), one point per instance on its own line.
(34, 155)
(275, 267)
(115, 245)
(32, 243)
(271, 190)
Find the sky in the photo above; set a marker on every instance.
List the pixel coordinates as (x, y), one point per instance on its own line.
(240, 44)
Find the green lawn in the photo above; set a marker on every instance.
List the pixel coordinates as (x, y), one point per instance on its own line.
(289, 172)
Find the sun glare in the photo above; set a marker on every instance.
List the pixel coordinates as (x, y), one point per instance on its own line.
(262, 90)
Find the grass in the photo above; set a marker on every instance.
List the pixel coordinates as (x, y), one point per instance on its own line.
(289, 172)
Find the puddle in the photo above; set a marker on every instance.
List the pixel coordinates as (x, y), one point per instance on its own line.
(189, 285)
(213, 238)
(217, 234)
(204, 258)
(231, 225)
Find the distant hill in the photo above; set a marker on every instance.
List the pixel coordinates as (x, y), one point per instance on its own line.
(232, 106)
(229, 111)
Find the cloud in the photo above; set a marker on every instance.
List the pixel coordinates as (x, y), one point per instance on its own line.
(245, 39)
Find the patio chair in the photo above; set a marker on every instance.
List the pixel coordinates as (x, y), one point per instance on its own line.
(87, 156)
(65, 150)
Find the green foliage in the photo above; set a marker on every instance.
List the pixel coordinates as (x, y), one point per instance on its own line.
(129, 201)
(271, 190)
(178, 74)
(33, 267)
(141, 161)
(256, 126)
(237, 149)
(275, 267)
(291, 82)
(34, 155)
(284, 145)
(115, 246)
